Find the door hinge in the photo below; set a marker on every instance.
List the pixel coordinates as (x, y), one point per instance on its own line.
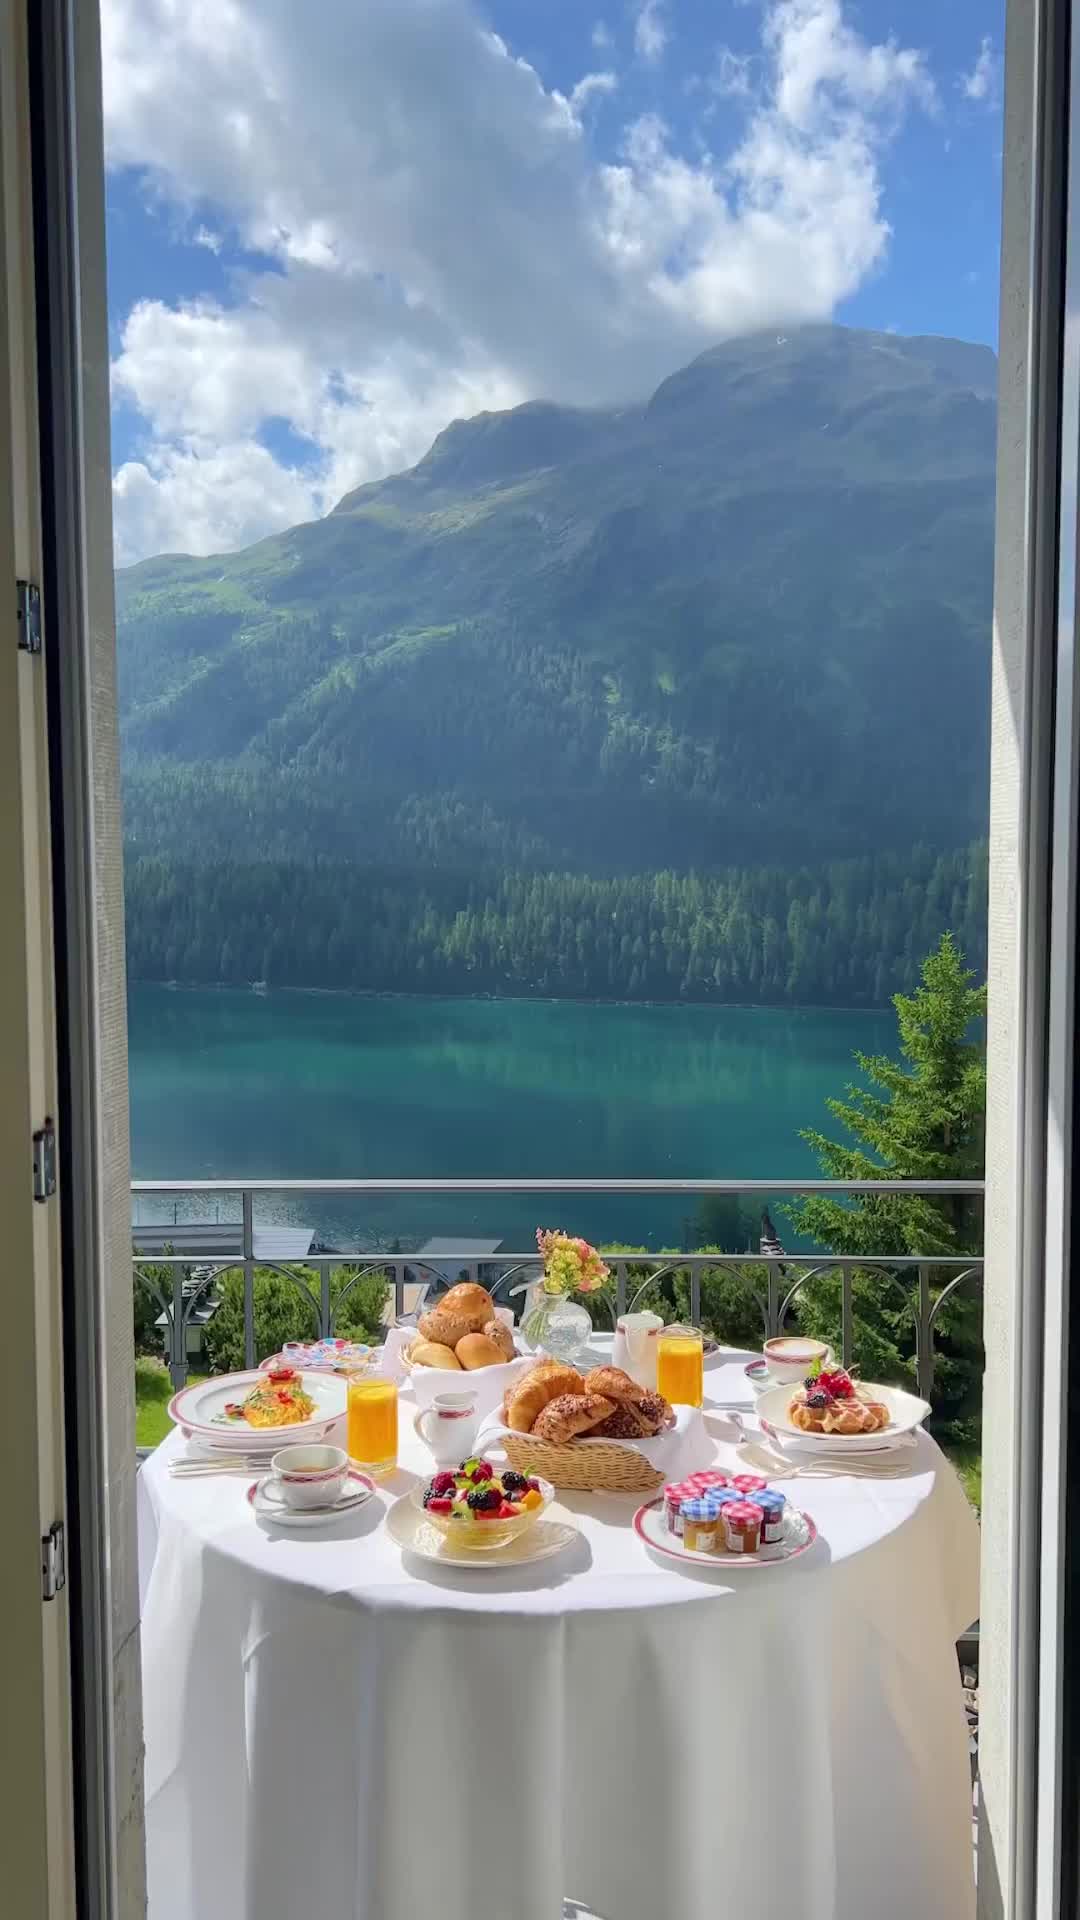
(28, 615)
(44, 1142)
(53, 1561)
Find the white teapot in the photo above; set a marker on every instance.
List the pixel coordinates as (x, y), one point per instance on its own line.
(635, 1347)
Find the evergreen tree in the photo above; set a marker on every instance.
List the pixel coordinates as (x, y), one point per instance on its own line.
(920, 1119)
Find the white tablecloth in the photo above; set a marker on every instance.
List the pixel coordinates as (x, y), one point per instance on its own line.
(331, 1735)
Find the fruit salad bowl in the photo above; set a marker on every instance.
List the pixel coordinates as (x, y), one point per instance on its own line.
(475, 1507)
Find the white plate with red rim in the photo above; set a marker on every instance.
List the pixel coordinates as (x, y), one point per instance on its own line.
(200, 1411)
(267, 1501)
(906, 1413)
(650, 1525)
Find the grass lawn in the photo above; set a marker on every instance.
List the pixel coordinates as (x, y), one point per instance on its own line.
(153, 1391)
(967, 1459)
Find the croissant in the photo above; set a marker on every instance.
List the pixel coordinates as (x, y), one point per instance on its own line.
(570, 1414)
(530, 1395)
(614, 1384)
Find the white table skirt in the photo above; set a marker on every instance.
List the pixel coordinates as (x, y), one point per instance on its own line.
(332, 1736)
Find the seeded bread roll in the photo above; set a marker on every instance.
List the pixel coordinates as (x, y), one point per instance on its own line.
(446, 1329)
(503, 1336)
(570, 1415)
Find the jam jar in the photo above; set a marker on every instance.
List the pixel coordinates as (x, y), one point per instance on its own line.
(701, 1526)
(772, 1509)
(742, 1522)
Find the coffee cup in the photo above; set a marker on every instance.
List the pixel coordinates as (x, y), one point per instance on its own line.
(790, 1356)
(309, 1477)
(449, 1426)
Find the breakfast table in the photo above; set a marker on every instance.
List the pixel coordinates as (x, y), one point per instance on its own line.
(336, 1731)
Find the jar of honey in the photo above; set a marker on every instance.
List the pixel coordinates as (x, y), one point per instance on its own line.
(701, 1526)
(742, 1522)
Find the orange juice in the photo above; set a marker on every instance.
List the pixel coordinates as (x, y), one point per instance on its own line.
(373, 1424)
(680, 1367)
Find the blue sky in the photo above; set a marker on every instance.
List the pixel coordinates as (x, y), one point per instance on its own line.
(333, 229)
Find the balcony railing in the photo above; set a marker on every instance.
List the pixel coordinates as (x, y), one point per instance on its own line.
(920, 1284)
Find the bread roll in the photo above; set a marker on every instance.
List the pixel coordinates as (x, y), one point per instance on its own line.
(530, 1395)
(446, 1329)
(614, 1384)
(571, 1414)
(467, 1301)
(503, 1337)
(476, 1350)
(428, 1353)
(655, 1411)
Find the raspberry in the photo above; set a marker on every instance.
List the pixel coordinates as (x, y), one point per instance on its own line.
(443, 1483)
(479, 1471)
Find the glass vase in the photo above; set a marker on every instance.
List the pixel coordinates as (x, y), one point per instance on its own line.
(556, 1324)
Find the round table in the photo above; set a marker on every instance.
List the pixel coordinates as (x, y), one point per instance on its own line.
(332, 1734)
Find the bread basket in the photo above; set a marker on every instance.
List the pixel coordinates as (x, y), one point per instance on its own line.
(589, 1466)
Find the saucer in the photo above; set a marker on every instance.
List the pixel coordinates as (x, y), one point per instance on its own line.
(268, 1503)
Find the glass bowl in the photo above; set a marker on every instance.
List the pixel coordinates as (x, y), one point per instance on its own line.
(481, 1536)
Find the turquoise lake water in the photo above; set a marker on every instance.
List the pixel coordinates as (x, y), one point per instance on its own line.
(232, 1084)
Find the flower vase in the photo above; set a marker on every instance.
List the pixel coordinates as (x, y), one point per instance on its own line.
(554, 1323)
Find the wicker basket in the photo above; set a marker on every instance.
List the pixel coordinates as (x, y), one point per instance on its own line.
(589, 1466)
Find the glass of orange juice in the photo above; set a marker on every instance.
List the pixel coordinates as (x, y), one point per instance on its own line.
(680, 1366)
(373, 1423)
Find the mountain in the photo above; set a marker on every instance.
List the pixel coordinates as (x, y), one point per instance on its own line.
(744, 622)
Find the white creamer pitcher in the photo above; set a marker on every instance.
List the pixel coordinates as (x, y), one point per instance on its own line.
(636, 1347)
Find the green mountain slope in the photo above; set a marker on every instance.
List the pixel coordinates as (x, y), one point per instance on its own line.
(745, 622)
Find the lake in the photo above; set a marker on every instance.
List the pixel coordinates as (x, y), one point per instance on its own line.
(292, 1085)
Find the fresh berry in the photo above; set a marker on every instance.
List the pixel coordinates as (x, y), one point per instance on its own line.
(485, 1499)
(837, 1384)
(515, 1483)
(480, 1471)
(438, 1503)
(534, 1486)
(817, 1400)
(443, 1483)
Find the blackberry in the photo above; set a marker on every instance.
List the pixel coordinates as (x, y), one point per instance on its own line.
(484, 1499)
(515, 1483)
(817, 1400)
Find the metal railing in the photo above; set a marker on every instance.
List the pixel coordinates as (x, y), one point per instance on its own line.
(921, 1283)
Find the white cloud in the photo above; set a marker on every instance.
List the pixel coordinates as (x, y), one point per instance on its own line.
(205, 237)
(445, 240)
(589, 84)
(732, 74)
(650, 31)
(602, 36)
(981, 83)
